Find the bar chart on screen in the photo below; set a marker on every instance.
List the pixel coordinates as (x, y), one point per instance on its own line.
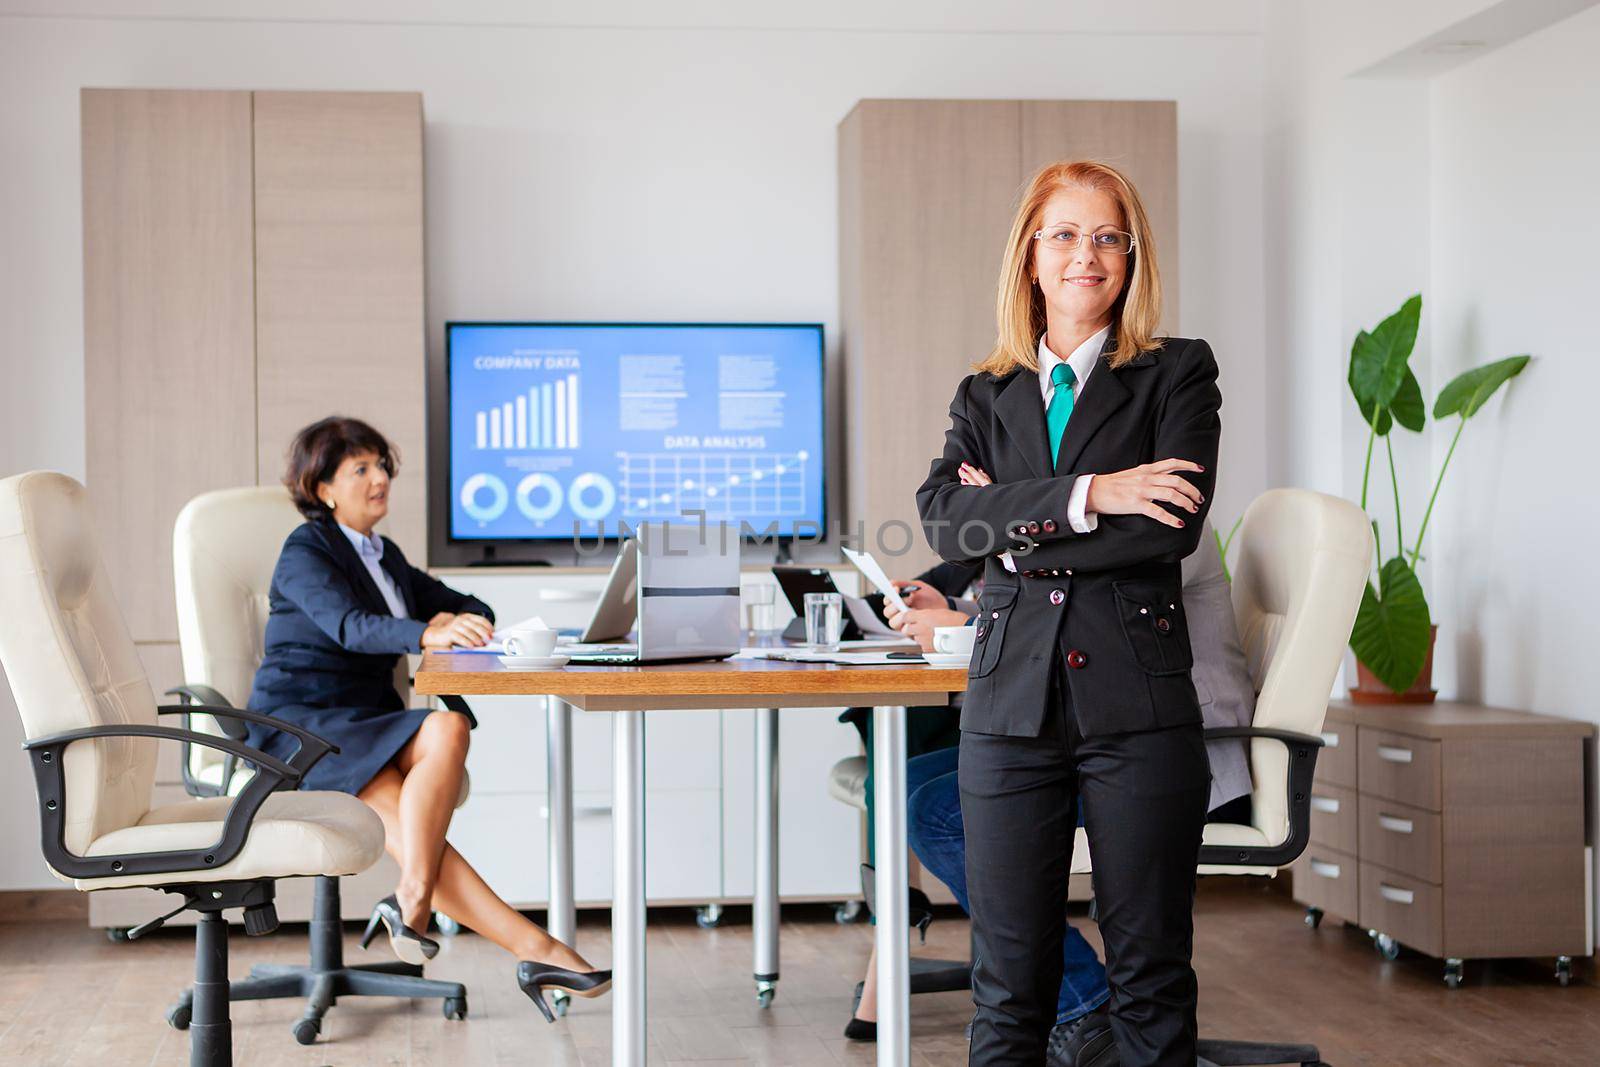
(543, 417)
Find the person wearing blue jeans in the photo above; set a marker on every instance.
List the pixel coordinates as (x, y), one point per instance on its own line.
(933, 815)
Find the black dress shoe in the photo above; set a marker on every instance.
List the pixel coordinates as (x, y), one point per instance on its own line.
(1086, 1041)
(410, 946)
(859, 1029)
(534, 978)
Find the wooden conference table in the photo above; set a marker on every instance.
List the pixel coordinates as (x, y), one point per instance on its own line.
(763, 686)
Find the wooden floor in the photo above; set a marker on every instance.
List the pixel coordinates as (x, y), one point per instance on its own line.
(69, 996)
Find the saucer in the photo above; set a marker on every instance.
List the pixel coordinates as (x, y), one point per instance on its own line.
(947, 659)
(534, 663)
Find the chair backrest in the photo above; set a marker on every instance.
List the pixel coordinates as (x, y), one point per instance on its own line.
(68, 655)
(225, 546)
(1303, 562)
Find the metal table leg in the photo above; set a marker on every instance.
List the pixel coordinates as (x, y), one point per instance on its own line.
(893, 881)
(627, 908)
(765, 909)
(558, 758)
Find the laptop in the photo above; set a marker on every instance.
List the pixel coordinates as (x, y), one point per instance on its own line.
(678, 588)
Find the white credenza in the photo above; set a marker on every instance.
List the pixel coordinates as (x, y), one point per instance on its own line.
(700, 847)
(700, 785)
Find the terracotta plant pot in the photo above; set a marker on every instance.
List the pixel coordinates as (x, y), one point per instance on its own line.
(1369, 690)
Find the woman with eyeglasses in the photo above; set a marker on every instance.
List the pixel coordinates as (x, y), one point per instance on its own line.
(1078, 465)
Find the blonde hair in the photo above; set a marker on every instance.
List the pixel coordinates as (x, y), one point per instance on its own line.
(1019, 305)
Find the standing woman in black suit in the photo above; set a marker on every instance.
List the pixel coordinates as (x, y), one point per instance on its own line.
(1078, 465)
(345, 605)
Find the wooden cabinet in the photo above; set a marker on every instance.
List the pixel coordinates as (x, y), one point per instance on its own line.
(1453, 829)
(252, 262)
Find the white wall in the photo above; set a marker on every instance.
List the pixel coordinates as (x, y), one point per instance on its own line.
(624, 170)
(1394, 166)
(1516, 224)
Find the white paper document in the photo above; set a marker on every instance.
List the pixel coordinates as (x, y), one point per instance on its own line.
(874, 573)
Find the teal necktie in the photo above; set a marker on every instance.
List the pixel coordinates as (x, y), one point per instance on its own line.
(1060, 409)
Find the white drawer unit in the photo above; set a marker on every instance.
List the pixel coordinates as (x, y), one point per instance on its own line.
(699, 787)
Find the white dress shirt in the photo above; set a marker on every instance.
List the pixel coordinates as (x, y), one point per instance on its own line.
(1083, 361)
(370, 548)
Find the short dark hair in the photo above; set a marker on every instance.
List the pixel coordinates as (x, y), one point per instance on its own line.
(317, 451)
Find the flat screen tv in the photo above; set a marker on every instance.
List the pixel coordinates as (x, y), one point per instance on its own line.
(567, 430)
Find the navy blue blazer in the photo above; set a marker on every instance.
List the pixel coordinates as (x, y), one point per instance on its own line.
(331, 640)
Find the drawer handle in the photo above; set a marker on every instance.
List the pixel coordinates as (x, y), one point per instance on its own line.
(1396, 894)
(1394, 754)
(1395, 824)
(1324, 869)
(1327, 805)
(1330, 739)
(568, 595)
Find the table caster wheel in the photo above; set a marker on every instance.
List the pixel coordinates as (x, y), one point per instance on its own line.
(1388, 947)
(765, 991)
(447, 926)
(1313, 917)
(306, 1031)
(848, 912)
(1454, 969)
(179, 1014)
(560, 1002)
(117, 935)
(708, 917)
(455, 1008)
(1564, 970)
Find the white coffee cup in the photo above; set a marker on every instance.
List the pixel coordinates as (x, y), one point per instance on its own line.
(529, 641)
(953, 640)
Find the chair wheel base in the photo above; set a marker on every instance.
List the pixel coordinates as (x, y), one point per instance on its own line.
(179, 1015)
(306, 1031)
(455, 1008)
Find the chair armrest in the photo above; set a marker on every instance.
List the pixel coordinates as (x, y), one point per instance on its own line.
(205, 698)
(1302, 765)
(308, 740)
(231, 720)
(205, 695)
(49, 773)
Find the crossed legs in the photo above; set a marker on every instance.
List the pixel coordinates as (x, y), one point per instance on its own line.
(415, 796)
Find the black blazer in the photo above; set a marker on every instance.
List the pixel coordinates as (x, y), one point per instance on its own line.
(1111, 601)
(331, 640)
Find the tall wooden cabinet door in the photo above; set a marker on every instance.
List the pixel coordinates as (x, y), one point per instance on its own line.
(339, 279)
(927, 189)
(1139, 138)
(169, 326)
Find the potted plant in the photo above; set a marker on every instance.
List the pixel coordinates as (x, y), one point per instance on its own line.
(1394, 632)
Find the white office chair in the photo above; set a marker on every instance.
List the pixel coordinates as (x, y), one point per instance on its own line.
(225, 546)
(91, 724)
(1303, 562)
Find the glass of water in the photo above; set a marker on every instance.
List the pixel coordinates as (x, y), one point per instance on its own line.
(760, 607)
(824, 620)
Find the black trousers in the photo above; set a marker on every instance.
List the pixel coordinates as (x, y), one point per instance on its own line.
(1144, 805)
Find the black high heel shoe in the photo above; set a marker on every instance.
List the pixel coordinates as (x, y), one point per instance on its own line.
(535, 978)
(410, 946)
(919, 909)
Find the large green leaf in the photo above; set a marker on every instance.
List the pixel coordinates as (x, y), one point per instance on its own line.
(1378, 360)
(1392, 625)
(1407, 409)
(1468, 391)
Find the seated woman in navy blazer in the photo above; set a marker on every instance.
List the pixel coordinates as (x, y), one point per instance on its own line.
(345, 605)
